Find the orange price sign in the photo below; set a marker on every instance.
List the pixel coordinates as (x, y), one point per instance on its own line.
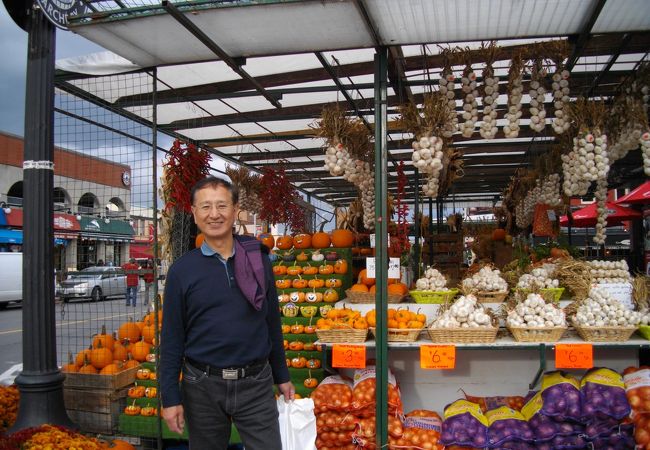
(438, 356)
(348, 356)
(574, 356)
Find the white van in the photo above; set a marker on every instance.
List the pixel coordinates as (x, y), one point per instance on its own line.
(11, 278)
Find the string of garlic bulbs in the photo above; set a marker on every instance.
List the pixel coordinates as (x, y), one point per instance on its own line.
(534, 312)
(488, 128)
(515, 94)
(601, 196)
(336, 158)
(464, 313)
(470, 105)
(537, 92)
(645, 152)
(573, 183)
(447, 86)
(561, 97)
(600, 309)
(427, 157)
(525, 209)
(549, 190)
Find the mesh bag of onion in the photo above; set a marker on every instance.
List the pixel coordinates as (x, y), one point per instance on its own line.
(507, 425)
(547, 428)
(603, 393)
(464, 424)
(334, 393)
(561, 396)
(363, 392)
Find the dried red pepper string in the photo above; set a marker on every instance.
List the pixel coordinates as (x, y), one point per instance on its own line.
(280, 200)
(186, 164)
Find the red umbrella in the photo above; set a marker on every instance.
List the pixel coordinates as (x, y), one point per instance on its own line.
(637, 196)
(587, 216)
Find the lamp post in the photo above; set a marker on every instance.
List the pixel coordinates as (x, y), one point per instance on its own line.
(40, 383)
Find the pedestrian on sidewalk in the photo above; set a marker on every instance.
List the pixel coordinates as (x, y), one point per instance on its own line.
(132, 278)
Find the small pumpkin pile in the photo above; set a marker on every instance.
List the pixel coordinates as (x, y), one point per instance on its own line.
(342, 318)
(339, 238)
(110, 354)
(363, 291)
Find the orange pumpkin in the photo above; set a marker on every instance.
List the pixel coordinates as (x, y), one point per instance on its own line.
(132, 410)
(298, 362)
(297, 328)
(299, 283)
(143, 374)
(325, 269)
(342, 238)
(267, 239)
(309, 270)
(333, 283)
(363, 278)
(198, 241)
(279, 269)
(499, 234)
(296, 345)
(316, 283)
(71, 366)
(149, 333)
(286, 328)
(148, 411)
(106, 340)
(100, 357)
(297, 297)
(341, 266)
(302, 240)
(81, 357)
(302, 256)
(313, 363)
(359, 287)
(313, 297)
(294, 270)
(310, 382)
(330, 296)
(150, 392)
(120, 352)
(129, 330)
(284, 283)
(310, 329)
(130, 362)
(398, 288)
(140, 350)
(320, 240)
(112, 369)
(284, 242)
(118, 444)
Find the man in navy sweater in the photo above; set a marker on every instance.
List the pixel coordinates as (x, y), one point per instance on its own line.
(222, 331)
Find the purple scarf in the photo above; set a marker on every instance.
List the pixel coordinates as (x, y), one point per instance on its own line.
(249, 270)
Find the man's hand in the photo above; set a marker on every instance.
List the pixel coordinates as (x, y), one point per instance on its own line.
(288, 391)
(174, 418)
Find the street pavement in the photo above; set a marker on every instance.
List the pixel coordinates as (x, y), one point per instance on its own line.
(76, 323)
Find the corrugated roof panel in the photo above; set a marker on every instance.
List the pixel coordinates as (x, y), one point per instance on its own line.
(623, 15)
(201, 134)
(178, 76)
(288, 125)
(280, 64)
(413, 21)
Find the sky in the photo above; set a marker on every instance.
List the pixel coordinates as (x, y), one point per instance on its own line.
(13, 54)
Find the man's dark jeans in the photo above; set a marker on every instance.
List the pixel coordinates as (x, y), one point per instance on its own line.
(212, 404)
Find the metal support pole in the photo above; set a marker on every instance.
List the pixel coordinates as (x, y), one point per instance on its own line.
(430, 231)
(381, 246)
(40, 383)
(154, 210)
(416, 226)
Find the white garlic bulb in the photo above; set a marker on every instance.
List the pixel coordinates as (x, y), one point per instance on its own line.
(609, 271)
(470, 105)
(466, 312)
(515, 94)
(540, 277)
(534, 312)
(432, 280)
(561, 97)
(537, 92)
(601, 309)
(447, 86)
(486, 279)
(488, 129)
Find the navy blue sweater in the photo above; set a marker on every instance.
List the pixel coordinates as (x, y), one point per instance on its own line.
(208, 320)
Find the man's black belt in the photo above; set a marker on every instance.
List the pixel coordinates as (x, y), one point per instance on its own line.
(230, 373)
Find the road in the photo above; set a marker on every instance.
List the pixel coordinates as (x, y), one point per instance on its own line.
(76, 323)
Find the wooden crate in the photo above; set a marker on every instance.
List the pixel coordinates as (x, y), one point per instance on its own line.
(100, 382)
(95, 410)
(94, 422)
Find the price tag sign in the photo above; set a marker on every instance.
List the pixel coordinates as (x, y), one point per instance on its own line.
(394, 268)
(574, 356)
(347, 356)
(438, 356)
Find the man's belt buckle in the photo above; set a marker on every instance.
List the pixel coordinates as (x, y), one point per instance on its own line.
(230, 374)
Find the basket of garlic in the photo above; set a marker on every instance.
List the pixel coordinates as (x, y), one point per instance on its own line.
(543, 279)
(534, 320)
(432, 288)
(464, 321)
(487, 285)
(609, 271)
(602, 318)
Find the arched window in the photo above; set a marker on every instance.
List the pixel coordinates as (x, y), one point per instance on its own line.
(115, 207)
(61, 199)
(88, 204)
(15, 194)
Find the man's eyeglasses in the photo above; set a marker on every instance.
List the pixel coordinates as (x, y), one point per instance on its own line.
(220, 207)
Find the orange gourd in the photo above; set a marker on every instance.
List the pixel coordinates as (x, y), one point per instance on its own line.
(118, 444)
(198, 241)
(359, 287)
(309, 270)
(112, 369)
(294, 270)
(82, 356)
(363, 278)
(342, 238)
(333, 283)
(299, 283)
(325, 269)
(267, 239)
(120, 352)
(302, 240)
(283, 283)
(398, 289)
(279, 269)
(310, 383)
(130, 362)
(71, 366)
(320, 240)
(87, 368)
(330, 296)
(316, 283)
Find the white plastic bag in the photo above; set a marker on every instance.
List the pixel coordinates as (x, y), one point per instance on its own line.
(297, 424)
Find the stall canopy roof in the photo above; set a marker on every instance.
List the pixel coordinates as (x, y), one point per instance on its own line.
(247, 79)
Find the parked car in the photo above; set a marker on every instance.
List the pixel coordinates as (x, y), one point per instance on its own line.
(94, 282)
(11, 278)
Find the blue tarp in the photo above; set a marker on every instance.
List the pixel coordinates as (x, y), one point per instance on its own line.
(11, 236)
(3, 218)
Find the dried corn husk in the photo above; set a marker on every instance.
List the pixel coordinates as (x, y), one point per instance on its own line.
(575, 275)
(640, 291)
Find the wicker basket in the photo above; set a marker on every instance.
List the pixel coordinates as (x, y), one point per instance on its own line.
(342, 335)
(369, 297)
(604, 334)
(433, 296)
(463, 335)
(549, 294)
(491, 297)
(401, 334)
(537, 334)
